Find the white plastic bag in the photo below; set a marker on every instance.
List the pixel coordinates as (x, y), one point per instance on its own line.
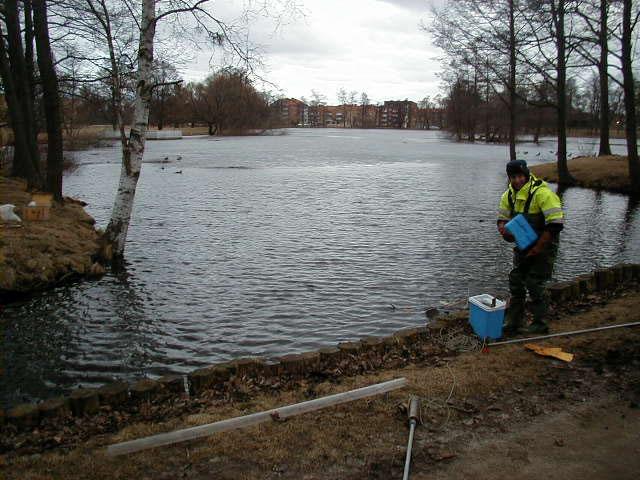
(7, 215)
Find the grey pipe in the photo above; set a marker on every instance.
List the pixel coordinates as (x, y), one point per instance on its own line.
(563, 334)
(414, 414)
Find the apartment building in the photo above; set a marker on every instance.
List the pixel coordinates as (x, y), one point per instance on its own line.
(398, 114)
(291, 112)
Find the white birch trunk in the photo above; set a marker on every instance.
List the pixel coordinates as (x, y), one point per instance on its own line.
(116, 234)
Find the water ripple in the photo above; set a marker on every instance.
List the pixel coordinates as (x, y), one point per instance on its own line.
(272, 245)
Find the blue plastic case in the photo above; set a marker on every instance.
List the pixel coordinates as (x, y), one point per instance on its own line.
(519, 227)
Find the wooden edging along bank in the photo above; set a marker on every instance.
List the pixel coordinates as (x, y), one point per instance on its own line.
(371, 350)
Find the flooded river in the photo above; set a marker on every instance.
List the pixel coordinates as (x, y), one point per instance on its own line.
(278, 244)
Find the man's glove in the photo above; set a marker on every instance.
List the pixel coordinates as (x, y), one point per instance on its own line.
(508, 237)
(535, 250)
(505, 233)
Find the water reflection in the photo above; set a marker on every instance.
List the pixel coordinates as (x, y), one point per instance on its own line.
(629, 223)
(327, 237)
(81, 334)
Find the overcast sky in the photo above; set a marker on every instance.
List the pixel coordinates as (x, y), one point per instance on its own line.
(375, 46)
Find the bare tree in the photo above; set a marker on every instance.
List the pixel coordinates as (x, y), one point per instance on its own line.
(545, 54)
(592, 43)
(483, 36)
(228, 101)
(629, 20)
(165, 78)
(51, 94)
(15, 77)
(317, 98)
(364, 105)
(343, 97)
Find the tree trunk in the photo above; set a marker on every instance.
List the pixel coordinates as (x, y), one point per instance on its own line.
(22, 165)
(161, 113)
(603, 67)
(629, 97)
(18, 71)
(564, 177)
(512, 83)
(51, 100)
(28, 47)
(116, 233)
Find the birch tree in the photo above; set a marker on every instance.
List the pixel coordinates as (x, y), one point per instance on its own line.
(152, 13)
(115, 235)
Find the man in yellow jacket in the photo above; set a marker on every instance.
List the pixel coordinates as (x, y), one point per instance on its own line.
(533, 267)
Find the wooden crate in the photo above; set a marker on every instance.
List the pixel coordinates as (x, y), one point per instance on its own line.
(36, 213)
(42, 199)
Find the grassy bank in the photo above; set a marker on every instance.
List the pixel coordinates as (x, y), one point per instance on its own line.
(38, 254)
(609, 172)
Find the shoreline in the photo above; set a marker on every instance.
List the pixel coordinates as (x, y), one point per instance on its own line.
(469, 397)
(223, 379)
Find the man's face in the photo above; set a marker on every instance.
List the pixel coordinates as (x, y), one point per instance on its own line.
(517, 181)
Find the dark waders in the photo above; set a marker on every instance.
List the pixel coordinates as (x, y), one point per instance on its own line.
(530, 274)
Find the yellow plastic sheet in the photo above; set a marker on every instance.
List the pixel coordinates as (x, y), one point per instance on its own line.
(555, 352)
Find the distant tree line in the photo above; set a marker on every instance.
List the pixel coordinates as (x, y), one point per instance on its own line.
(226, 102)
(522, 66)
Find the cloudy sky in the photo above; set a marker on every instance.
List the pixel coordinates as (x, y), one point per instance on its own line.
(372, 46)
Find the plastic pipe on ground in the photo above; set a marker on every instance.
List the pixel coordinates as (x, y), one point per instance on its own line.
(563, 334)
(413, 421)
(253, 419)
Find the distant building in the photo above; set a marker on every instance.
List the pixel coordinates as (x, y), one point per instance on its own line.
(398, 114)
(325, 116)
(346, 116)
(291, 112)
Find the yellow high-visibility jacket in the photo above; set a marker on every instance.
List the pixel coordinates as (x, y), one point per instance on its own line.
(537, 202)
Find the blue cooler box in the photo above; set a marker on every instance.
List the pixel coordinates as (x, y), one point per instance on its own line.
(520, 228)
(486, 319)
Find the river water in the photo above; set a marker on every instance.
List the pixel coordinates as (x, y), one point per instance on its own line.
(269, 245)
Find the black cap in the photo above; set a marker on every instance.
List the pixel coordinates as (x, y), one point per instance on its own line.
(517, 166)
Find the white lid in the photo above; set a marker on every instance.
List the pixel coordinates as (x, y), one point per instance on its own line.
(485, 300)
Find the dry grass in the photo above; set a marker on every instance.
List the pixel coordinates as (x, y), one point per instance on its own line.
(188, 131)
(592, 133)
(84, 138)
(326, 443)
(609, 172)
(42, 252)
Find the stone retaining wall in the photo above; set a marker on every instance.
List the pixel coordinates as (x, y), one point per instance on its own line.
(123, 396)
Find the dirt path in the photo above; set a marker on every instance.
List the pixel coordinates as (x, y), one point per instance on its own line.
(597, 440)
(506, 413)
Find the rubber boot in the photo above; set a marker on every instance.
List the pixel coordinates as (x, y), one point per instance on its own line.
(513, 317)
(538, 327)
